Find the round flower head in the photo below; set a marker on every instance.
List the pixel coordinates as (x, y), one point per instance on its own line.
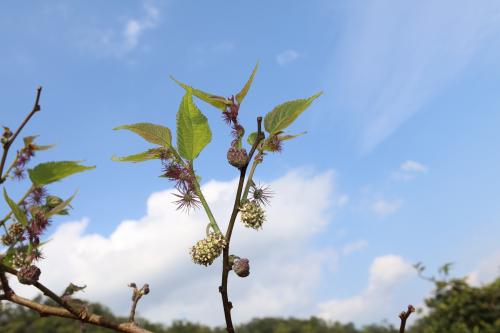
(206, 250)
(241, 267)
(252, 215)
(28, 274)
(237, 157)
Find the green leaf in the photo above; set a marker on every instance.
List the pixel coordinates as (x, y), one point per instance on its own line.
(289, 136)
(150, 154)
(49, 172)
(71, 289)
(252, 137)
(8, 257)
(153, 133)
(284, 114)
(241, 95)
(60, 207)
(16, 210)
(193, 132)
(218, 101)
(28, 140)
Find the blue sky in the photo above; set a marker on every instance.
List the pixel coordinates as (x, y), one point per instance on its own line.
(400, 162)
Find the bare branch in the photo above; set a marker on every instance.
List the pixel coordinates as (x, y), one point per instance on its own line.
(136, 296)
(45, 310)
(404, 316)
(6, 145)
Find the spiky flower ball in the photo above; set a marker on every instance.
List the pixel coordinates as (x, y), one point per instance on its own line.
(206, 250)
(241, 267)
(28, 274)
(252, 215)
(237, 157)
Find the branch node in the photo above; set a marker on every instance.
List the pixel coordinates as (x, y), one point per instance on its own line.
(136, 296)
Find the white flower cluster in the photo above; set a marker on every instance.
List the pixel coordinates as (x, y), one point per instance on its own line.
(252, 215)
(206, 250)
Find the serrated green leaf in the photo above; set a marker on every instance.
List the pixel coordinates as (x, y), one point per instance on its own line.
(284, 114)
(241, 95)
(193, 132)
(150, 154)
(218, 101)
(153, 133)
(16, 210)
(49, 172)
(60, 207)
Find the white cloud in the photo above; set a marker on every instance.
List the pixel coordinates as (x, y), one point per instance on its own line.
(392, 57)
(409, 170)
(383, 207)
(118, 42)
(287, 57)
(154, 250)
(388, 274)
(486, 271)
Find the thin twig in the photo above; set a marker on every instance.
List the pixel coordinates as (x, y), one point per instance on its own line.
(46, 310)
(225, 266)
(136, 296)
(66, 310)
(6, 145)
(404, 316)
(49, 293)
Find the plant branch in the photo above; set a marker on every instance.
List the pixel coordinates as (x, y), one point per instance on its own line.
(6, 145)
(11, 166)
(225, 265)
(136, 296)
(46, 310)
(66, 310)
(7, 291)
(250, 178)
(200, 195)
(404, 316)
(49, 293)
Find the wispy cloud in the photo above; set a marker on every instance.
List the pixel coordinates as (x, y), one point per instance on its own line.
(409, 170)
(154, 249)
(287, 57)
(387, 275)
(384, 207)
(124, 39)
(394, 56)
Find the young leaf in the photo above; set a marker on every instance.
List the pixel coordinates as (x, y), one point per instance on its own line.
(193, 132)
(153, 133)
(60, 207)
(241, 95)
(289, 136)
(49, 172)
(16, 210)
(218, 101)
(252, 137)
(284, 114)
(150, 154)
(28, 140)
